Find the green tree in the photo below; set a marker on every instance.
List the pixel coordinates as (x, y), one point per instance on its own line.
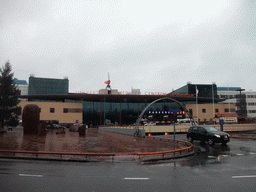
(8, 93)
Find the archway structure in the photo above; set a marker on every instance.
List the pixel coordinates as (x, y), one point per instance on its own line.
(137, 131)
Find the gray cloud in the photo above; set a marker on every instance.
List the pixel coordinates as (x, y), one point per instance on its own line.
(151, 45)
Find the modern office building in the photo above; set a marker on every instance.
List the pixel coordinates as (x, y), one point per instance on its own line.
(124, 108)
(213, 112)
(216, 107)
(22, 86)
(202, 90)
(245, 101)
(47, 86)
(120, 109)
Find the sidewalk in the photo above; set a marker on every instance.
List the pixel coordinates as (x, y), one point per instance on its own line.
(95, 141)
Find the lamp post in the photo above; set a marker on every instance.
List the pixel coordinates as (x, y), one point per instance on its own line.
(213, 109)
(104, 110)
(228, 100)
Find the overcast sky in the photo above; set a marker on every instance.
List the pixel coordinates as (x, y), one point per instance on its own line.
(154, 46)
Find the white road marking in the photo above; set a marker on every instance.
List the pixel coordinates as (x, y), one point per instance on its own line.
(252, 153)
(127, 178)
(240, 154)
(211, 157)
(28, 175)
(245, 176)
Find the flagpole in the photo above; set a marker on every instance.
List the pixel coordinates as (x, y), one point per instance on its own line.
(213, 109)
(197, 104)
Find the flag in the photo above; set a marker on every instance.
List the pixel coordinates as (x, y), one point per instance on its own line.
(197, 91)
(107, 82)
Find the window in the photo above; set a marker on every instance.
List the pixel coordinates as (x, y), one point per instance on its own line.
(201, 130)
(203, 110)
(52, 110)
(72, 110)
(251, 96)
(191, 111)
(75, 110)
(216, 110)
(226, 110)
(232, 110)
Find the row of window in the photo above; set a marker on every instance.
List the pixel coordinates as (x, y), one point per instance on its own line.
(67, 110)
(251, 103)
(251, 96)
(226, 96)
(216, 110)
(226, 111)
(234, 96)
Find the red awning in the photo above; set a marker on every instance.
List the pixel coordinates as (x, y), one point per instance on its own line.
(227, 115)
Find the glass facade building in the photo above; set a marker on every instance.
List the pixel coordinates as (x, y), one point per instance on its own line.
(207, 91)
(121, 113)
(119, 109)
(45, 86)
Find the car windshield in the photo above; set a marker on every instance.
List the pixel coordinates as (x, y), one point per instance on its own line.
(211, 129)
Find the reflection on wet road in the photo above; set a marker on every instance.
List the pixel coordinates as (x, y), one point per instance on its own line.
(95, 141)
(206, 155)
(220, 168)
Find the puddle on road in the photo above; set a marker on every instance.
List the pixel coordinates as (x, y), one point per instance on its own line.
(211, 155)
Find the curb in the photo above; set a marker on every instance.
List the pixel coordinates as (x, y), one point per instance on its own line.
(168, 158)
(120, 159)
(46, 159)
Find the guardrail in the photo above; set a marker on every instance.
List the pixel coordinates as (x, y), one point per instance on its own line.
(190, 148)
(242, 135)
(58, 153)
(121, 126)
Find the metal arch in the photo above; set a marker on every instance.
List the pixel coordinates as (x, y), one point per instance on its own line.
(168, 98)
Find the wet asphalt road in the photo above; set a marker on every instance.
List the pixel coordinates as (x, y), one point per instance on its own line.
(218, 168)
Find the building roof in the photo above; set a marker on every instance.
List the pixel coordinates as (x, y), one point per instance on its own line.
(228, 88)
(113, 98)
(20, 82)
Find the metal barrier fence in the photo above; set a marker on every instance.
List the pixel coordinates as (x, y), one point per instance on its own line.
(58, 153)
(242, 135)
(188, 149)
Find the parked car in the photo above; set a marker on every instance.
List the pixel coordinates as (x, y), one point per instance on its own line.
(55, 126)
(78, 124)
(207, 134)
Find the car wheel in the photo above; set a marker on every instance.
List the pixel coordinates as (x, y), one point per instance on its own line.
(190, 139)
(211, 142)
(224, 143)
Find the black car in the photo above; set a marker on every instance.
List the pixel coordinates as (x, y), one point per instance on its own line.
(208, 134)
